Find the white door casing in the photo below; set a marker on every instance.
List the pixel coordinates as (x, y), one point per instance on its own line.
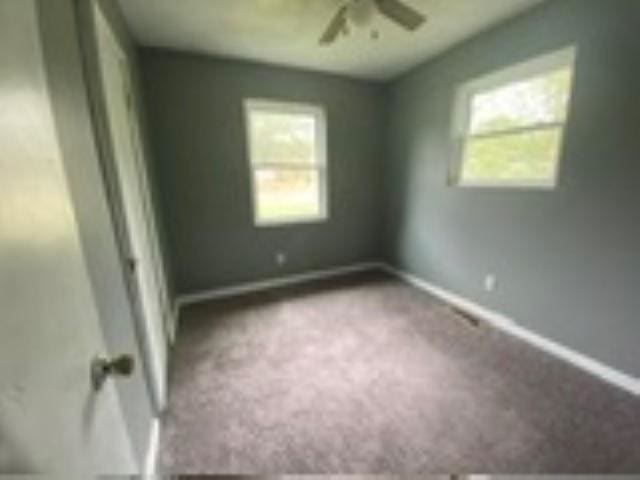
(143, 250)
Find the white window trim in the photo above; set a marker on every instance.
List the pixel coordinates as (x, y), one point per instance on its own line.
(461, 124)
(321, 165)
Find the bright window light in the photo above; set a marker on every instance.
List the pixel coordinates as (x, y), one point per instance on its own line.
(509, 126)
(287, 148)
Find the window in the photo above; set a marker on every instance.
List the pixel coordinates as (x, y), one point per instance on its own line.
(509, 126)
(287, 149)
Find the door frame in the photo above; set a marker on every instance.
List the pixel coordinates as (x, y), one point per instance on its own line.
(93, 13)
(141, 170)
(156, 379)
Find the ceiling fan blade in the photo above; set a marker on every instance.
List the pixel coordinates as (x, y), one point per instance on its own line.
(335, 27)
(401, 13)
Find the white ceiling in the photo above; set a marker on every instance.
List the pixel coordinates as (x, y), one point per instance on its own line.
(286, 32)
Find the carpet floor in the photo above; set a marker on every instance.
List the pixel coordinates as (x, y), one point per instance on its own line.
(365, 374)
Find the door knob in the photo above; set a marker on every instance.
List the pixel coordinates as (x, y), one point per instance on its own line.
(102, 368)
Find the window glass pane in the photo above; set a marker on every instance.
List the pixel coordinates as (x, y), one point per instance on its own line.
(283, 137)
(287, 194)
(543, 99)
(512, 158)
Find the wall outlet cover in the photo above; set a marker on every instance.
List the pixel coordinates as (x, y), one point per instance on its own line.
(281, 259)
(490, 283)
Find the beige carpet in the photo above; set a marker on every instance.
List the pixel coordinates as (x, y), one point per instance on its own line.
(367, 375)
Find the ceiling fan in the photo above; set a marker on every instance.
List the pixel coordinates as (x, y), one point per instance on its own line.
(360, 12)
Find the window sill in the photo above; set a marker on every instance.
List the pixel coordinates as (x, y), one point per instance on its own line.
(295, 222)
(506, 186)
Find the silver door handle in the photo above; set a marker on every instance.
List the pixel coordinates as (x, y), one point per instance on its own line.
(102, 368)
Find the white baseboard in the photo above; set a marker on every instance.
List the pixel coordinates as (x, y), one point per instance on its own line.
(251, 287)
(151, 459)
(588, 364)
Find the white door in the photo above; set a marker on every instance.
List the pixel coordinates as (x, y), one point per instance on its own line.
(144, 256)
(51, 420)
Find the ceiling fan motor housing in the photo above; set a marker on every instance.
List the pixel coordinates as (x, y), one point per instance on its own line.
(360, 12)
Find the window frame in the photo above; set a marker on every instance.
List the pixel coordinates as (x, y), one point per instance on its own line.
(318, 112)
(462, 115)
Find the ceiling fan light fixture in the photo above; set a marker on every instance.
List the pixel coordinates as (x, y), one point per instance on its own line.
(359, 13)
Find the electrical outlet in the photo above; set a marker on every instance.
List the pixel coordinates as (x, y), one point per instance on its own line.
(281, 259)
(490, 283)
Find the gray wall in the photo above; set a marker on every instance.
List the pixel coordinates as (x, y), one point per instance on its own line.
(567, 261)
(194, 107)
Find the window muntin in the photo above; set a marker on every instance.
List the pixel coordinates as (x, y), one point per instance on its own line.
(287, 146)
(511, 124)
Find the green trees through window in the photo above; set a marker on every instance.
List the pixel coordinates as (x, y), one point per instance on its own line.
(514, 131)
(288, 168)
